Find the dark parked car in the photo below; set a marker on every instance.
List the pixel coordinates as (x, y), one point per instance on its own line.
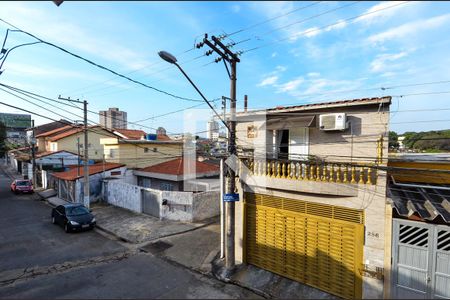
(22, 186)
(73, 217)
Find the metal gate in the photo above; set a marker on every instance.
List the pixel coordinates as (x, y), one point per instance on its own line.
(150, 203)
(316, 244)
(421, 260)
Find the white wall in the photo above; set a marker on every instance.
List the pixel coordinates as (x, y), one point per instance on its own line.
(123, 195)
(181, 206)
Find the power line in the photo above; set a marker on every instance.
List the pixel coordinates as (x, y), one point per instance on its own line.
(271, 19)
(320, 28)
(24, 92)
(102, 67)
(78, 127)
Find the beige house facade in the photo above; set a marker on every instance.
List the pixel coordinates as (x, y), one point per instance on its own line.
(313, 195)
(71, 139)
(140, 153)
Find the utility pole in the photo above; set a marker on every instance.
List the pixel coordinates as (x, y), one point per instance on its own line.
(86, 152)
(86, 157)
(33, 155)
(78, 158)
(226, 55)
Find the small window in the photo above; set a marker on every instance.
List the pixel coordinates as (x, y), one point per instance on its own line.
(166, 186)
(155, 149)
(145, 150)
(115, 173)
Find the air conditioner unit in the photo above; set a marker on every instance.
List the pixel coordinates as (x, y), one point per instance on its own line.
(330, 122)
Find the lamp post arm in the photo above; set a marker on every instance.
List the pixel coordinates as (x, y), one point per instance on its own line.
(6, 55)
(204, 98)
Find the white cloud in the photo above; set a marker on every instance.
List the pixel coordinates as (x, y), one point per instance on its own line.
(409, 29)
(310, 32)
(313, 74)
(268, 81)
(236, 8)
(380, 63)
(339, 25)
(72, 36)
(291, 85)
(374, 16)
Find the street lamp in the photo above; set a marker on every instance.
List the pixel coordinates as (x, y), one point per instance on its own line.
(173, 60)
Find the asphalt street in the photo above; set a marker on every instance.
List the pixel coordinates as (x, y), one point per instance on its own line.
(39, 260)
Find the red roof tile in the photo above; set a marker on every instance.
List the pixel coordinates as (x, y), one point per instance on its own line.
(55, 131)
(72, 174)
(163, 137)
(131, 133)
(72, 132)
(176, 167)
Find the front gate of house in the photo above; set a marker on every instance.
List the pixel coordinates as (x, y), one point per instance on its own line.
(150, 203)
(421, 260)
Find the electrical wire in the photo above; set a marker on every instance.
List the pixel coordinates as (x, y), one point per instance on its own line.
(101, 66)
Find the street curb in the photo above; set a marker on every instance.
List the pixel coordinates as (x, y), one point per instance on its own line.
(113, 234)
(217, 272)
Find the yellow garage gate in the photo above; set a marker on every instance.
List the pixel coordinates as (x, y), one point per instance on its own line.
(316, 244)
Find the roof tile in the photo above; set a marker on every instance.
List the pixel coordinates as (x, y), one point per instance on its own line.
(176, 167)
(72, 174)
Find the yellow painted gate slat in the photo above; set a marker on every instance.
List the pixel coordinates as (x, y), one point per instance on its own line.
(291, 238)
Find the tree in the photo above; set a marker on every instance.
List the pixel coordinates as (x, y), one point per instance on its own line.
(393, 140)
(2, 139)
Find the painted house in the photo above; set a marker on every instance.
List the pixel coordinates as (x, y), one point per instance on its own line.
(68, 140)
(70, 185)
(49, 162)
(312, 191)
(43, 138)
(140, 153)
(171, 176)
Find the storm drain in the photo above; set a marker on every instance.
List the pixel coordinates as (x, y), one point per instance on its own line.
(156, 247)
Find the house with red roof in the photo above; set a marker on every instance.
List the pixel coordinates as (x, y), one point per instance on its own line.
(180, 174)
(69, 185)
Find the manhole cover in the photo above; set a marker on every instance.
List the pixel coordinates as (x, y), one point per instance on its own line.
(156, 247)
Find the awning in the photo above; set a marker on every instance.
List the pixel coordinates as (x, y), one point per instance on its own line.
(281, 123)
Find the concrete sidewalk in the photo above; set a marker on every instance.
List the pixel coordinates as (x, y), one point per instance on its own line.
(195, 249)
(265, 283)
(10, 172)
(138, 228)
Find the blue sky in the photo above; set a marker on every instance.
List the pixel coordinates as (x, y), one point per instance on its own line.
(305, 58)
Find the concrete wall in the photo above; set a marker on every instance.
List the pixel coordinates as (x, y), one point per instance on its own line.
(123, 195)
(179, 206)
(205, 205)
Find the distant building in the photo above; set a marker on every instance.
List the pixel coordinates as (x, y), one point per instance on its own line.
(161, 131)
(400, 140)
(113, 118)
(212, 130)
(16, 127)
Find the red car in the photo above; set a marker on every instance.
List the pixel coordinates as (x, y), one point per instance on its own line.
(22, 186)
